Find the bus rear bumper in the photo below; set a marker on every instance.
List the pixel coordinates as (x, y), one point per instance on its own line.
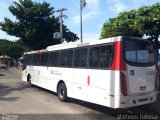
(132, 101)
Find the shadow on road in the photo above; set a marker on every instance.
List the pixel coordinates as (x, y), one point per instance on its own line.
(2, 74)
(140, 110)
(144, 109)
(3, 67)
(5, 91)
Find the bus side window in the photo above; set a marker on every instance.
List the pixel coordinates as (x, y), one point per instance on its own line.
(80, 57)
(50, 63)
(105, 56)
(63, 58)
(69, 58)
(77, 58)
(100, 56)
(30, 59)
(94, 57)
(42, 59)
(83, 57)
(25, 62)
(66, 58)
(55, 59)
(36, 59)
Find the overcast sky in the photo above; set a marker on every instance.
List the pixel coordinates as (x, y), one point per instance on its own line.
(95, 14)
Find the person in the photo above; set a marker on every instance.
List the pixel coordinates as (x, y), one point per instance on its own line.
(9, 63)
(16, 63)
(6, 63)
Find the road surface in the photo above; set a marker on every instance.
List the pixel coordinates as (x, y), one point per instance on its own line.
(19, 101)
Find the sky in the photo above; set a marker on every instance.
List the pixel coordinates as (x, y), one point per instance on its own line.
(95, 14)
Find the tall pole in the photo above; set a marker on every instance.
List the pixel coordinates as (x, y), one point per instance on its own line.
(81, 20)
(82, 5)
(61, 21)
(61, 27)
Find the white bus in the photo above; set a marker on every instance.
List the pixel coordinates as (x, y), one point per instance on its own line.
(118, 72)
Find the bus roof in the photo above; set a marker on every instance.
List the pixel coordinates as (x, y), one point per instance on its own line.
(75, 44)
(36, 51)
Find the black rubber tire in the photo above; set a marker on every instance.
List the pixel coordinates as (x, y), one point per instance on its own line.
(62, 92)
(29, 80)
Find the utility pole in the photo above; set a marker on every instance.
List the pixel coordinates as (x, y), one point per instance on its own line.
(61, 21)
(82, 5)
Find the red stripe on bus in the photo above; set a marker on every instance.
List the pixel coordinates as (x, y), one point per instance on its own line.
(88, 80)
(118, 60)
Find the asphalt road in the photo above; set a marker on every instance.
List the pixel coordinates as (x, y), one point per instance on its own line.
(19, 101)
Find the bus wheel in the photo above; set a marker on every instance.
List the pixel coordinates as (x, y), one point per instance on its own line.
(62, 92)
(29, 80)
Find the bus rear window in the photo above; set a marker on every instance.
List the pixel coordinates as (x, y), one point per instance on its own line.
(139, 51)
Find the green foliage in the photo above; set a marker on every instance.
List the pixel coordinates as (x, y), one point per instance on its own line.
(144, 21)
(12, 49)
(35, 24)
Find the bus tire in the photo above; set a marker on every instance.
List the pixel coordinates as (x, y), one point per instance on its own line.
(29, 80)
(62, 92)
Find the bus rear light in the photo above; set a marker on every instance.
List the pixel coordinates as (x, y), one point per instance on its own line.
(123, 84)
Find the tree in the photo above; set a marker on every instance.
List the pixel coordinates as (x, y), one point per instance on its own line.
(35, 24)
(10, 48)
(144, 21)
